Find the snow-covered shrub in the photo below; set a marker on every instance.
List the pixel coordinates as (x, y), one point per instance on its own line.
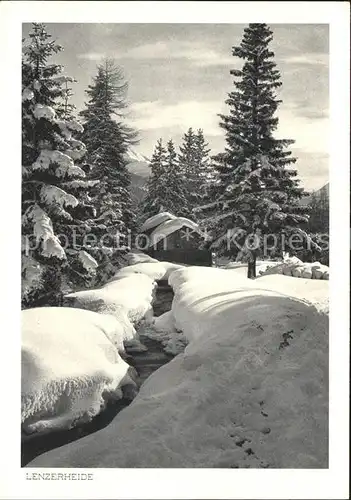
(154, 270)
(70, 366)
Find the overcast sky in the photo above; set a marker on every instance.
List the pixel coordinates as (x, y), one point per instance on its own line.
(179, 77)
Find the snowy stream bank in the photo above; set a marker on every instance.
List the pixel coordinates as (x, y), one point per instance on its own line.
(145, 363)
(250, 390)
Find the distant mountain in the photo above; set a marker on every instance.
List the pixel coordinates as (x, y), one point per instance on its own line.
(324, 190)
(138, 166)
(135, 156)
(138, 163)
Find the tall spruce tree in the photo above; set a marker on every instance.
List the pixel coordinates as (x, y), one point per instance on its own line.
(256, 193)
(188, 166)
(107, 138)
(204, 171)
(49, 175)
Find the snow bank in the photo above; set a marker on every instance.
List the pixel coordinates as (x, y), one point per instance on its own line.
(292, 266)
(70, 365)
(129, 299)
(156, 220)
(155, 270)
(250, 390)
(137, 257)
(314, 292)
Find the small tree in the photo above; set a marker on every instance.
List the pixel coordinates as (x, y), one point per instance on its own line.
(48, 174)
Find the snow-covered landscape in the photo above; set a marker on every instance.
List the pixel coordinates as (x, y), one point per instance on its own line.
(175, 299)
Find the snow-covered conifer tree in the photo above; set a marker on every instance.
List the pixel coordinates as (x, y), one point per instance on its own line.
(49, 174)
(255, 193)
(107, 139)
(194, 163)
(174, 189)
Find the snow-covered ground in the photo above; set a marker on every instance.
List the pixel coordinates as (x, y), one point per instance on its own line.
(249, 391)
(70, 356)
(129, 298)
(292, 266)
(70, 365)
(154, 270)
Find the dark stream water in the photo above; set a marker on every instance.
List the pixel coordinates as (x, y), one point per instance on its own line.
(145, 364)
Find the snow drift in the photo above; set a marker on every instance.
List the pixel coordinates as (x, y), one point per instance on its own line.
(292, 266)
(249, 391)
(154, 270)
(70, 366)
(128, 298)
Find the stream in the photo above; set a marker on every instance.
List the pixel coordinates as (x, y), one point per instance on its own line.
(145, 364)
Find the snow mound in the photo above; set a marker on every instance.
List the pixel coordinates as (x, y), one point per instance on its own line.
(129, 299)
(69, 366)
(156, 271)
(249, 391)
(143, 263)
(156, 220)
(292, 266)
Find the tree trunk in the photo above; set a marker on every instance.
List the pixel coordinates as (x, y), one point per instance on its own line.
(251, 267)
